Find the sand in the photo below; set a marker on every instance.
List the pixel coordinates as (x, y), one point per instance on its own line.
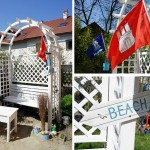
(24, 139)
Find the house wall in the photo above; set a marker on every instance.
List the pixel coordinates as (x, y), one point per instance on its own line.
(66, 54)
(29, 46)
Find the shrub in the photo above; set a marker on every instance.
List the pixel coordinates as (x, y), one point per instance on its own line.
(66, 105)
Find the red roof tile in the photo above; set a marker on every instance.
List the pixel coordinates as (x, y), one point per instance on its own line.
(34, 32)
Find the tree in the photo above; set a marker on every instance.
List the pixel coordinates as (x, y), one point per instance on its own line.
(107, 8)
(83, 38)
(84, 10)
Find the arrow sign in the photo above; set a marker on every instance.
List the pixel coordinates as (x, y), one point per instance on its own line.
(117, 111)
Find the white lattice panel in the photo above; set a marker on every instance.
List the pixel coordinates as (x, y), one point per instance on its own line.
(144, 59)
(130, 65)
(28, 69)
(88, 91)
(4, 74)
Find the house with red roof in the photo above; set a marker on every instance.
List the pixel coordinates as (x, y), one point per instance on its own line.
(29, 38)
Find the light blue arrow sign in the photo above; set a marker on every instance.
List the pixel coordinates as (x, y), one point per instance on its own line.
(117, 111)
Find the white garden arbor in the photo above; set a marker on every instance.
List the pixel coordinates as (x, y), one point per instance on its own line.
(52, 80)
(102, 90)
(139, 61)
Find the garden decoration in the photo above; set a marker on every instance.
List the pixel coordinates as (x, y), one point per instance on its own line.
(106, 65)
(36, 130)
(52, 80)
(45, 135)
(49, 63)
(146, 118)
(54, 132)
(96, 47)
(127, 38)
(114, 112)
(42, 100)
(66, 123)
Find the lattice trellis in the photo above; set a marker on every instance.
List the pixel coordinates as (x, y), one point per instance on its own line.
(25, 70)
(28, 69)
(129, 65)
(88, 91)
(144, 59)
(4, 74)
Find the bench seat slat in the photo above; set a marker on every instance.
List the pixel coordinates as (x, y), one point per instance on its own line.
(25, 94)
(22, 101)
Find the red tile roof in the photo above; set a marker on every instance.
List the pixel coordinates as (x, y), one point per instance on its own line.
(34, 32)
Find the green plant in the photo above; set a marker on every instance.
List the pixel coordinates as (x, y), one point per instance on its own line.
(66, 105)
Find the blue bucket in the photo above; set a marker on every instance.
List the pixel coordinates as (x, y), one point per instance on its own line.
(36, 130)
(45, 136)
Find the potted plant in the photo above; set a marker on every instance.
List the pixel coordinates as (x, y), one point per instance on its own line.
(45, 135)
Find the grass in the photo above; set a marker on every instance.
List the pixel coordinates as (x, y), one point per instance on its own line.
(142, 142)
(90, 145)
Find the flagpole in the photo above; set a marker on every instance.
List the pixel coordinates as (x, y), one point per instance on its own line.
(50, 90)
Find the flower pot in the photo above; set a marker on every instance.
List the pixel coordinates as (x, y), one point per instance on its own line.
(36, 130)
(45, 136)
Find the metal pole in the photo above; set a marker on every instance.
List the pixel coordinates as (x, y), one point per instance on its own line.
(50, 93)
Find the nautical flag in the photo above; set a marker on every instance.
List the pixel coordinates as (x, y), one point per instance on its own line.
(132, 33)
(96, 47)
(42, 50)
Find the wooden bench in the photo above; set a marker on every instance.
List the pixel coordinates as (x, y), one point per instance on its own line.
(7, 115)
(25, 94)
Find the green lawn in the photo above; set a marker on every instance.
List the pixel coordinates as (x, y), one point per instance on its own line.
(142, 142)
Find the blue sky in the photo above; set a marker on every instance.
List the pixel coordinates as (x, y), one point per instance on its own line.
(36, 9)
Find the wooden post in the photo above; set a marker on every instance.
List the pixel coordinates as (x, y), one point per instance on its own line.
(114, 92)
(127, 129)
(50, 93)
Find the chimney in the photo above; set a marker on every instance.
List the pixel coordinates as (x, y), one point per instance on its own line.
(65, 14)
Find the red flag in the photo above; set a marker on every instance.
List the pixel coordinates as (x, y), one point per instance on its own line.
(132, 33)
(42, 50)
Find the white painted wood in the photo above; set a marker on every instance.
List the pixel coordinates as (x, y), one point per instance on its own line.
(127, 129)
(102, 88)
(26, 94)
(114, 92)
(6, 43)
(7, 33)
(118, 111)
(7, 114)
(22, 101)
(22, 95)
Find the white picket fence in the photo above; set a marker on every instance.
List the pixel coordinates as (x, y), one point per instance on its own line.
(88, 90)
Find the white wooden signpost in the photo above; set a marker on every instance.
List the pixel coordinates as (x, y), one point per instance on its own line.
(118, 111)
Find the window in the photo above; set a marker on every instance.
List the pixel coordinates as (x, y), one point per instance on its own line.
(62, 24)
(37, 47)
(69, 45)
